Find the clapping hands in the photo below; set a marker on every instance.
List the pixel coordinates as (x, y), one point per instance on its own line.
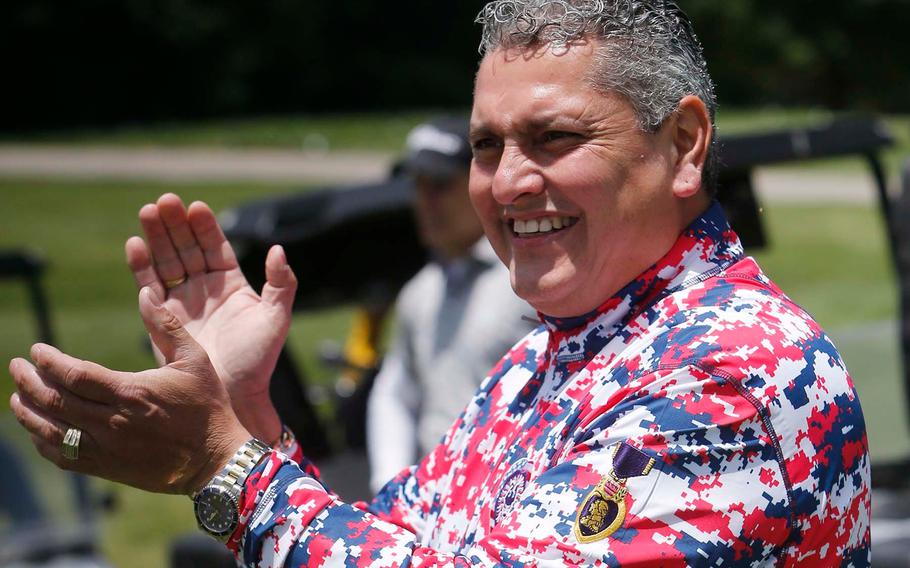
(168, 429)
(188, 261)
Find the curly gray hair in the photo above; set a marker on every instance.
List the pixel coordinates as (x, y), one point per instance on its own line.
(648, 50)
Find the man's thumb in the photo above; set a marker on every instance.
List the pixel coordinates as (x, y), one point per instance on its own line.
(165, 329)
(281, 283)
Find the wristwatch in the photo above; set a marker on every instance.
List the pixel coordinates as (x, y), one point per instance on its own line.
(217, 505)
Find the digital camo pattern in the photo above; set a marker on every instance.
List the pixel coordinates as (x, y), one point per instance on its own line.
(701, 363)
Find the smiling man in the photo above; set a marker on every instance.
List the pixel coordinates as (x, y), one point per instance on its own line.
(674, 408)
(574, 195)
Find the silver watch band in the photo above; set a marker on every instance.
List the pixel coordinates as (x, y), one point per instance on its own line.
(234, 474)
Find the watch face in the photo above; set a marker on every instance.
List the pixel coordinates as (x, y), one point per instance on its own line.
(216, 511)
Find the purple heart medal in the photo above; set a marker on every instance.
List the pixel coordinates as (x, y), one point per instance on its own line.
(604, 509)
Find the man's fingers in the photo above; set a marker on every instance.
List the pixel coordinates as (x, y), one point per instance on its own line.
(52, 398)
(166, 330)
(176, 221)
(219, 255)
(84, 378)
(139, 259)
(281, 283)
(164, 256)
(47, 435)
(35, 422)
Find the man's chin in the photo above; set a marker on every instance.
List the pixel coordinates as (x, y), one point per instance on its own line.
(551, 294)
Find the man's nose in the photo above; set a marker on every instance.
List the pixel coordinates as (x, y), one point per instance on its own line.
(517, 175)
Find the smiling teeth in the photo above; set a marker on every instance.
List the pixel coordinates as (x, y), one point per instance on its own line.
(544, 225)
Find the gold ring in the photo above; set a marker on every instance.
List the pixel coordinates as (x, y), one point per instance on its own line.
(174, 282)
(70, 446)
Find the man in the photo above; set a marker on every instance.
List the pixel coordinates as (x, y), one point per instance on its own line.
(455, 319)
(675, 409)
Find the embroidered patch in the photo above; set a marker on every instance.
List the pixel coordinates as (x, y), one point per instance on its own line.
(604, 509)
(511, 490)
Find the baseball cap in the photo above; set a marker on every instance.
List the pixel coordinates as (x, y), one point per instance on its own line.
(438, 148)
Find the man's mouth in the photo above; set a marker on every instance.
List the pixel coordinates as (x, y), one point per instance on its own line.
(544, 225)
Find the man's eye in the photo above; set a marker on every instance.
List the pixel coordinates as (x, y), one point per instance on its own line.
(558, 135)
(484, 144)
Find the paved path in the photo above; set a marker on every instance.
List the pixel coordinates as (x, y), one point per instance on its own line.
(191, 164)
(788, 185)
(286, 166)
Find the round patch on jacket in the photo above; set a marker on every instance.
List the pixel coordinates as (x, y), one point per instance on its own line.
(510, 492)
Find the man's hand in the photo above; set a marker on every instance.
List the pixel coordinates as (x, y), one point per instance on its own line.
(241, 331)
(167, 430)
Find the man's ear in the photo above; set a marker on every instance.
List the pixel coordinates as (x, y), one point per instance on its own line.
(692, 138)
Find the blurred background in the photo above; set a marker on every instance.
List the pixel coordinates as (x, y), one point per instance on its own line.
(109, 104)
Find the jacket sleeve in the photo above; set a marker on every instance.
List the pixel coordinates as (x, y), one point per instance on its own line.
(289, 519)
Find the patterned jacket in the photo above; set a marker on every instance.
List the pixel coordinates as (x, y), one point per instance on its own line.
(697, 418)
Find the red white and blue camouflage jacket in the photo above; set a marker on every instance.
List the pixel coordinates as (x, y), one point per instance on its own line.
(697, 418)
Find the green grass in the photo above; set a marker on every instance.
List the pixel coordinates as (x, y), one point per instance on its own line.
(832, 260)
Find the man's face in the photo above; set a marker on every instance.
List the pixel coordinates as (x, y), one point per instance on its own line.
(574, 197)
(445, 219)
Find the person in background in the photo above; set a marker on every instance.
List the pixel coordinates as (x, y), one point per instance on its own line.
(454, 320)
